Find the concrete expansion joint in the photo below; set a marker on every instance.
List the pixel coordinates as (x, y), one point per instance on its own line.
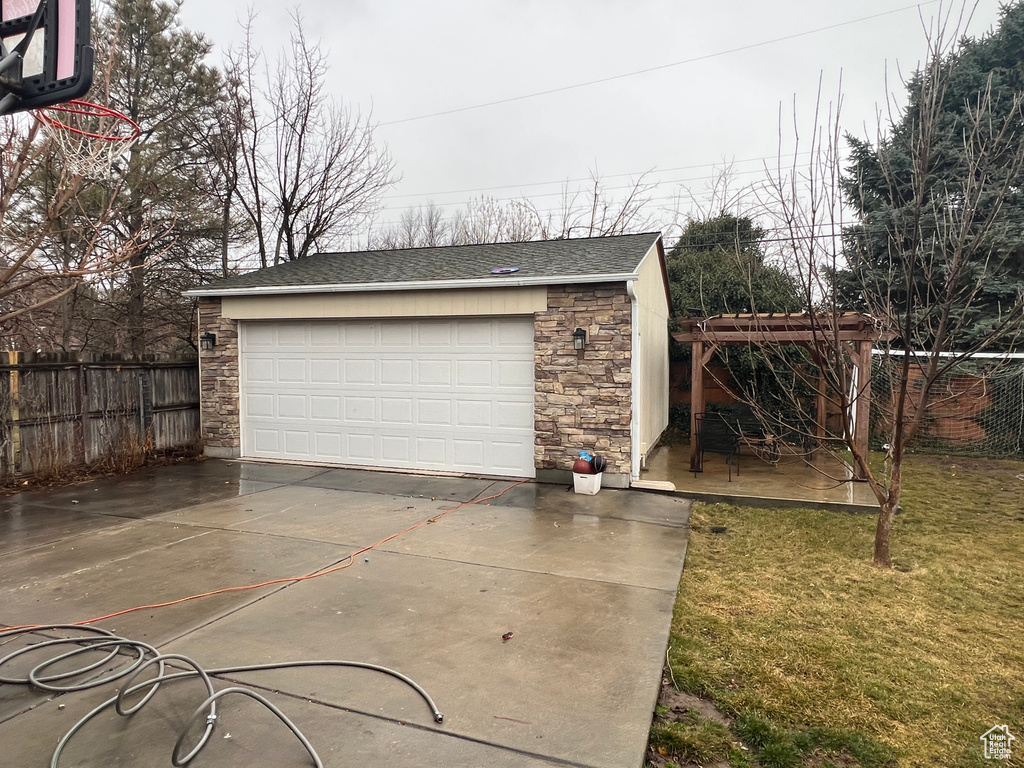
(431, 729)
(509, 569)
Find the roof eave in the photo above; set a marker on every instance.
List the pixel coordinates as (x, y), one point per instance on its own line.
(419, 285)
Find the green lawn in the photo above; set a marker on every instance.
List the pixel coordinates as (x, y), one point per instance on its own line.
(821, 659)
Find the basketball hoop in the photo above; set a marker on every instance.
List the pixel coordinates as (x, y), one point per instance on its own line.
(91, 137)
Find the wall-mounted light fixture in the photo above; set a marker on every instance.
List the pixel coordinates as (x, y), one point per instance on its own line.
(579, 339)
(207, 341)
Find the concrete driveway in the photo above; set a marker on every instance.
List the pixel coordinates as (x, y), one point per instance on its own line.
(585, 584)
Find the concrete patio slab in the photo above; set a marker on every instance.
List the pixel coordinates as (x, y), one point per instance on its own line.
(442, 624)
(415, 486)
(31, 525)
(574, 544)
(246, 735)
(586, 585)
(794, 480)
(318, 514)
(129, 568)
(159, 489)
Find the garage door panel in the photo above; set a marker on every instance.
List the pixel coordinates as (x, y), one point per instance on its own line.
(435, 335)
(266, 440)
(396, 335)
(258, 370)
(396, 373)
(453, 395)
(292, 370)
(260, 336)
(396, 449)
(259, 406)
(359, 334)
(507, 454)
(396, 410)
(292, 407)
(361, 447)
(431, 452)
(292, 335)
(325, 371)
(434, 373)
(473, 373)
(514, 334)
(515, 374)
(297, 443)
(360, 372)
(513, 415)
(436, 413)
(478, 333)
(468, 454)
(472, 413)
(325, 335)
(325, 407)
(360, 409)
(329, 445)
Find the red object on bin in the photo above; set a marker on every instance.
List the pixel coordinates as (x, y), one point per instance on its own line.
(582, 467)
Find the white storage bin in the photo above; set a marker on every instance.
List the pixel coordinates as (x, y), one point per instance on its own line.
(588, 485)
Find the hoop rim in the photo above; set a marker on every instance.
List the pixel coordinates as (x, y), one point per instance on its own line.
(46, 116)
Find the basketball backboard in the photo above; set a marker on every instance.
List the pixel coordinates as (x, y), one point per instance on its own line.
(47, 56)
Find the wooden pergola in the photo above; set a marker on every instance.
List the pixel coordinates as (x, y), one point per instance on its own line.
(858, 332)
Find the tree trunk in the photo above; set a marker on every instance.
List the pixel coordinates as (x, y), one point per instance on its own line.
(225, 233)
(136, 305)
(883, 532)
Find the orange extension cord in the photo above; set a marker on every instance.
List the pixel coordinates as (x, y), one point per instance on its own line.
(344, 564)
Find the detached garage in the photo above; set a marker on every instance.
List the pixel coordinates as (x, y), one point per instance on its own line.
(460, 359)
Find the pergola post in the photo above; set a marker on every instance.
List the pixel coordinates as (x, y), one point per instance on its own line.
(696, 396)
(862, 436)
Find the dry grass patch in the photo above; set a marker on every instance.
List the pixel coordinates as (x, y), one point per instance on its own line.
(823, 659)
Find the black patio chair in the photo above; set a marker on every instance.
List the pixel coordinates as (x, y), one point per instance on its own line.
(755, 434)
(717, 433)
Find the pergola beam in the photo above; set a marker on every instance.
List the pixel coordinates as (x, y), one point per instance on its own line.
(764, 338)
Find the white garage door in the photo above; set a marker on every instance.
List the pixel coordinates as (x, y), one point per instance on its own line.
(451, 394)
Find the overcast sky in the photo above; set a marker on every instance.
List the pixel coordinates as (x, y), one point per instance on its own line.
(720, 104)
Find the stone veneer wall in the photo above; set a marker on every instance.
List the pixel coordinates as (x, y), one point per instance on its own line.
(583, 399)
(218, 382)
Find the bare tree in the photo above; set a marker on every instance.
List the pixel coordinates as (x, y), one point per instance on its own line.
(312, 171)
(917, 260)
(55, 236)
(591, 212)
(226, 170)
(421, 227)
(595, 213)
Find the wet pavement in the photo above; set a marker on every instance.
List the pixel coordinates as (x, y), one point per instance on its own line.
(818, 482)
(586, 584)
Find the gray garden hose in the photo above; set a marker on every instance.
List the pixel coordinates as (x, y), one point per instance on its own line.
(147, 656)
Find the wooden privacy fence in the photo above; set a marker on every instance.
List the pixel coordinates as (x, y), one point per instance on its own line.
(59, 411)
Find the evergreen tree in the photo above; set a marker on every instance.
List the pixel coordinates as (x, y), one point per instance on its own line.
(159, 78)
(940, 200)
(718, 267)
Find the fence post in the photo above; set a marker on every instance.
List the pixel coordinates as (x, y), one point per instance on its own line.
(14, 359)
(78, 433)
(145, 405)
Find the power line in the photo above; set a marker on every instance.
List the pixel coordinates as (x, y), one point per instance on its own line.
(653, 183)
(648, 70)
(559, 193)
(635, 174)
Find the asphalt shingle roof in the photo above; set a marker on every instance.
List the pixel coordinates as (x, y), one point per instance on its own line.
(537, 260)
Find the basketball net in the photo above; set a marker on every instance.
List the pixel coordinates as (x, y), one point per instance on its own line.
(91, 138)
